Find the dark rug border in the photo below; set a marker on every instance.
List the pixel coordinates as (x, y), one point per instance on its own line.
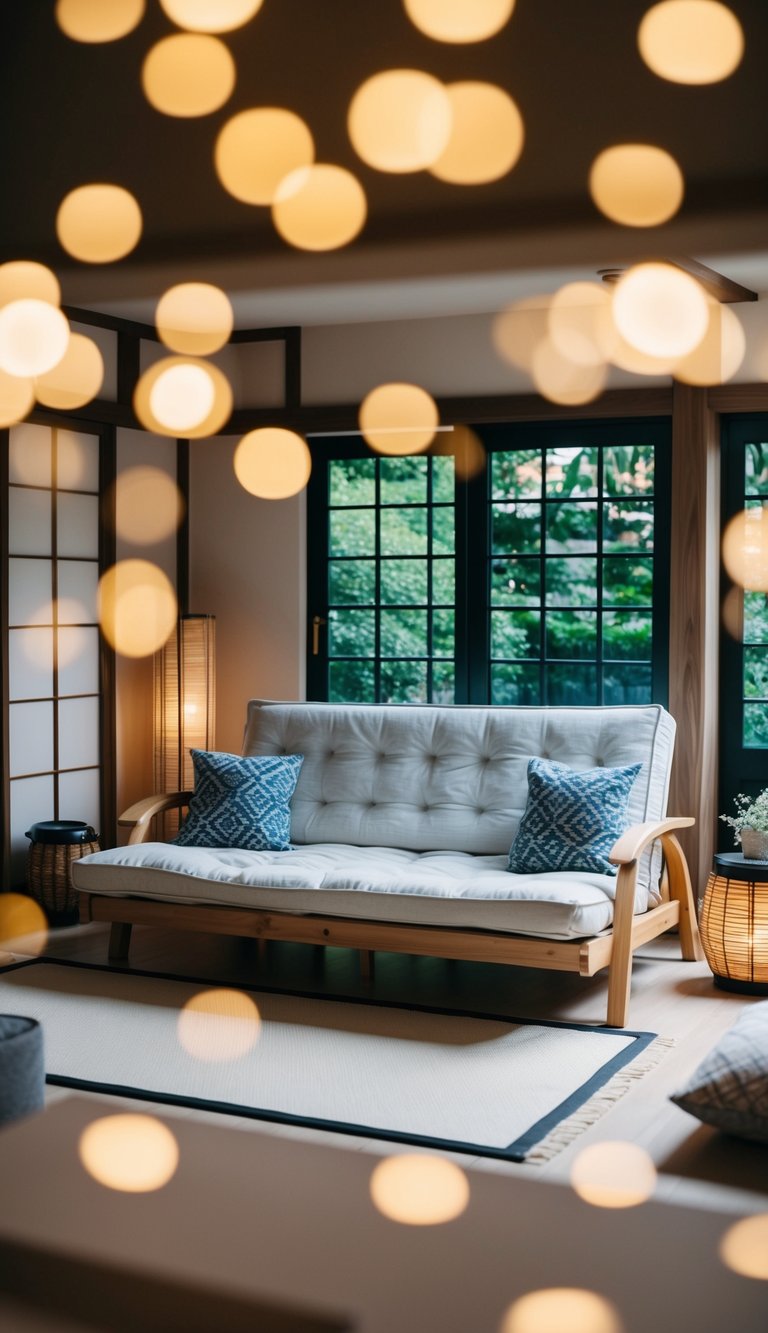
(517, 1151)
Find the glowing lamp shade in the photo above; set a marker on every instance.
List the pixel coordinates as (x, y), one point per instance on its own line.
(16, 398)
(272, 463)
(211, 15)
(188, 74)
(149, 505)
(660, 310)
(555, 1309)
(398, 418)
(691, 41)
(184, 700)
(636, 184)
(418, 1190)
(131, 1153)
(319, 207)
(99, 224)
(257, 149)
(76, 379)
(486, 138)
(734, 922)
(137, 607)
(614, 1175)
(217, 1026)
(195, 318)
(744, 1247)
(745, 549)
(459, 20)
(183, 396)
(22, 278)
(400, 120)
(33, 337)
(95, 21)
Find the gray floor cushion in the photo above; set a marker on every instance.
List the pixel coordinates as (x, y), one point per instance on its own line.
(730, 1087)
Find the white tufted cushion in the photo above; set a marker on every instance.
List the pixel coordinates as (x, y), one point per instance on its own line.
(428, 778)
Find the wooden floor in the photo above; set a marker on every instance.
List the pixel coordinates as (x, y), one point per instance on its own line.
(674, 999)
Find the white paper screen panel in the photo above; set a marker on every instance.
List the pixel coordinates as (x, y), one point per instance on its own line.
(77, 461)
(30, 735)
(78, 732)
(78, 660)
(29, 455)
(31, 801)
(77, 525)
(78, 587)
(29, 592)
(79, 796)
(30, 663)
(29, 522)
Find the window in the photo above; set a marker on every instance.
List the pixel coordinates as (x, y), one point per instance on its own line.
(542, 578)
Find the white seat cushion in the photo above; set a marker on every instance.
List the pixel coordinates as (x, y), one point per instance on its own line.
(441, 888)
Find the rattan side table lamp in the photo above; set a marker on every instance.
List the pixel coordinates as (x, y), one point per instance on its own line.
(734, 923)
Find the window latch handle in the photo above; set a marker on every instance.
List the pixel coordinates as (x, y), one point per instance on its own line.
(317, 621)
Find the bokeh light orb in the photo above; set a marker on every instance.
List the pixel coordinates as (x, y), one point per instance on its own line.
(137, 607)
(99, 223)
(660, 310)
(561, 380)
(208, 385)
(419, 1190)
(258, 148)
(97, 20)
(194, 318)
(745, 548)
(149, 505)
(487, 135)
(636, 184)
(518, 330)
(188, 74)
(398, 418)
(561, 1310)
(33, 337)
(691, 41)
(720, 352)
(22, 278)
(580, 324)
(459, 21)
(131, 1153)
(319, 207)
(744, 1247)
(217, 1026)
(400, 120)
(613, 1175)
(17, 396)
(211, 15)
(272, 463)
(76, 379)
(23, 924)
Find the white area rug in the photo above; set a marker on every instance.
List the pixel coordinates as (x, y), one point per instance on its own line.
(482, 1085)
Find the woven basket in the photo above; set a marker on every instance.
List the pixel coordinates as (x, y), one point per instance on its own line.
(49, 874)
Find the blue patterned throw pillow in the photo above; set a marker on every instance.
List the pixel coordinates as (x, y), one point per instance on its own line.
(241, 803)
(572, 818)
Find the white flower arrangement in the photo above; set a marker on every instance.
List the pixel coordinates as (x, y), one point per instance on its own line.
(751, 813)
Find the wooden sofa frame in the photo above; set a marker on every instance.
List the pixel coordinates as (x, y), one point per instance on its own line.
(613, 948)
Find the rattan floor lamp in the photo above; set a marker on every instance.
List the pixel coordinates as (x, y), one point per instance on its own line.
(185, 703)
(734, 923)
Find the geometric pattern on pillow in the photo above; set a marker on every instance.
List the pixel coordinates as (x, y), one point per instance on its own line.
(241, 803)
(730, 1087)
(572, 818)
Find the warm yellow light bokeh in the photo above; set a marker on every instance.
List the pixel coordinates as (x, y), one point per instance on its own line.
(217, 1026)
(561, 1310)
(33, 337)
(131, 1153)
(23, 924)
(467, 450)
(660, 310)
(272, 463)
(211, 15)
(188, 74)
(627, 357)
(486, 138)
(182, 396)
(459, 20)
(319, 207)
(194, 318)
(137, 607)
(211, 376)
(636, 184)
(419, 1190)
(23, 278)
(580, 323)
(562, 380)
(720, 352)
(17, 396)
(99, 223)
(691, 41)
(613, 1175)
(745, 549)
(257, 149)
(400, 120)
(744, 1247)
(149, 506)
(398, 418)
(97, 21)
(76, 379)
(518, 330)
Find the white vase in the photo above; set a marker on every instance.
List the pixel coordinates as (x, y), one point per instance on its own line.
(754, 845)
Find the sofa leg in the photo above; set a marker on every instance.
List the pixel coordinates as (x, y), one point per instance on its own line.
(119, 941)
(367, 964)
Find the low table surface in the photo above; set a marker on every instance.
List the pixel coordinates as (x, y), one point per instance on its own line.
(738, 866)
(259, 1217)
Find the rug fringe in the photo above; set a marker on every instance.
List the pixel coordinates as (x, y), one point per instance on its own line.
(588, 1114)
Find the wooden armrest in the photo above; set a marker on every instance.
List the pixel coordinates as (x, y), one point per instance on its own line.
(634, 840)
(138, 817)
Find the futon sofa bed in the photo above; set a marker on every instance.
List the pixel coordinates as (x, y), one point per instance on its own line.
(401, 824)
